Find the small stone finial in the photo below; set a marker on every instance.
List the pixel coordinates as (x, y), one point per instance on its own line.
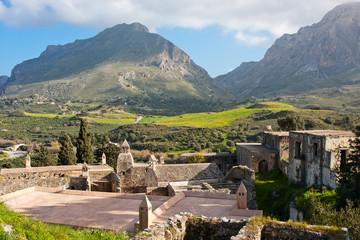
(268, 128)
(103, 159)
(162, 161)
(145, 214)
(152, 158)
(125, 147)
(85, 170)
(241, 198)
(28, 161)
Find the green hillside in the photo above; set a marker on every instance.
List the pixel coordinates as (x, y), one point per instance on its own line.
(212, 120)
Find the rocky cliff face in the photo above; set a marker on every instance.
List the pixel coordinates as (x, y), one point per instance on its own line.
(325, 54)
(125, 63)
(3, 80)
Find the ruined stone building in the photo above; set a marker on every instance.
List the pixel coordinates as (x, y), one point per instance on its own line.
(315, 156)
(264, 156)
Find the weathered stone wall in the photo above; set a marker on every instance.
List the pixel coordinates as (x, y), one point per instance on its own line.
(313, 159)
(133, 180)
(284, 166)
(188, 227)
(278, 141)
(224, 161)
(12, 180)
(252, 158)
(240, 172)
(13, 185)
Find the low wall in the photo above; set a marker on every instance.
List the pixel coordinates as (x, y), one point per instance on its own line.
(13, 185)
(186, 226)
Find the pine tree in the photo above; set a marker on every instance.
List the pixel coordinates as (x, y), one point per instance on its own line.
(66, 155)
(349, 175)
(43, 157)
(84, 151)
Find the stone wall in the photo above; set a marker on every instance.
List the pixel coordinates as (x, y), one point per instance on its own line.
(13, 185)
(224, 161)
(133, 180)
(284, 166)
(314, 157)
(240, 172)
(71, 177)
(188, 227)
(278, 141)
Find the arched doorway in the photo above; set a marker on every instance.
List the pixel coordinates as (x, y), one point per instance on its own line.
(263, 166)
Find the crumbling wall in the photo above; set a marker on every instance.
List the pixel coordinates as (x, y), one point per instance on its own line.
(133, 180)
(240, 172)
(187, 226)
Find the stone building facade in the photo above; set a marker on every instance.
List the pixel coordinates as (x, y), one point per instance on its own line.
(264, 156)
(315, 156)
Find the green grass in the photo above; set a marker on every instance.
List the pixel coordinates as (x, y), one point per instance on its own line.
(199, 120)
(28, 228)
(121, 115)
(212, 120)
(274, 193)
(4, 155)
(48, 115)
(113, 121)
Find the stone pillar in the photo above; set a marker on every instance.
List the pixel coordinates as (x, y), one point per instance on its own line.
(85, 170)
(103, 159)
(162, 161)
(28, 161)
(145, 214)
(152, 162)
(241, 198)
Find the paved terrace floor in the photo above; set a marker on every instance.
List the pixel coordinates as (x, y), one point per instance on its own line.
(113, 211)
(78, 208)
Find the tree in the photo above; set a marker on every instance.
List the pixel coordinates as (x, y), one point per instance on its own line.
(66, 155)
(291, 123)
(112, 152)
(349, 174)
(197, 158)
(84, 151)
(43, 157)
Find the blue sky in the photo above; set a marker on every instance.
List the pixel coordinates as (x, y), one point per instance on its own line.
(217, 34)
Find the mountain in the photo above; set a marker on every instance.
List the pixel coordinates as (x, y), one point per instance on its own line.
(325, 55)
(125, 64)
(3, 80)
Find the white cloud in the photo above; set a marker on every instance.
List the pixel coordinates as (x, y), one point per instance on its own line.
(274, 16)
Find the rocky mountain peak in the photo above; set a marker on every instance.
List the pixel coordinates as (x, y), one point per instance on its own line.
(305, 60)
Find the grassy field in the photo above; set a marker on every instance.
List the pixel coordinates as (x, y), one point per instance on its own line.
(213, 120)
(114, 121)
(31, 229)
(48, 115)
(199, 120)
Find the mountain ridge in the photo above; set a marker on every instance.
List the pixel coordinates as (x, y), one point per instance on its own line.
(315, 57)
(119, 64)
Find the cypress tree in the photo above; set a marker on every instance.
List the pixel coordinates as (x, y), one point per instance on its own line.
(349, 175)
(66, 155)
(84, 151)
